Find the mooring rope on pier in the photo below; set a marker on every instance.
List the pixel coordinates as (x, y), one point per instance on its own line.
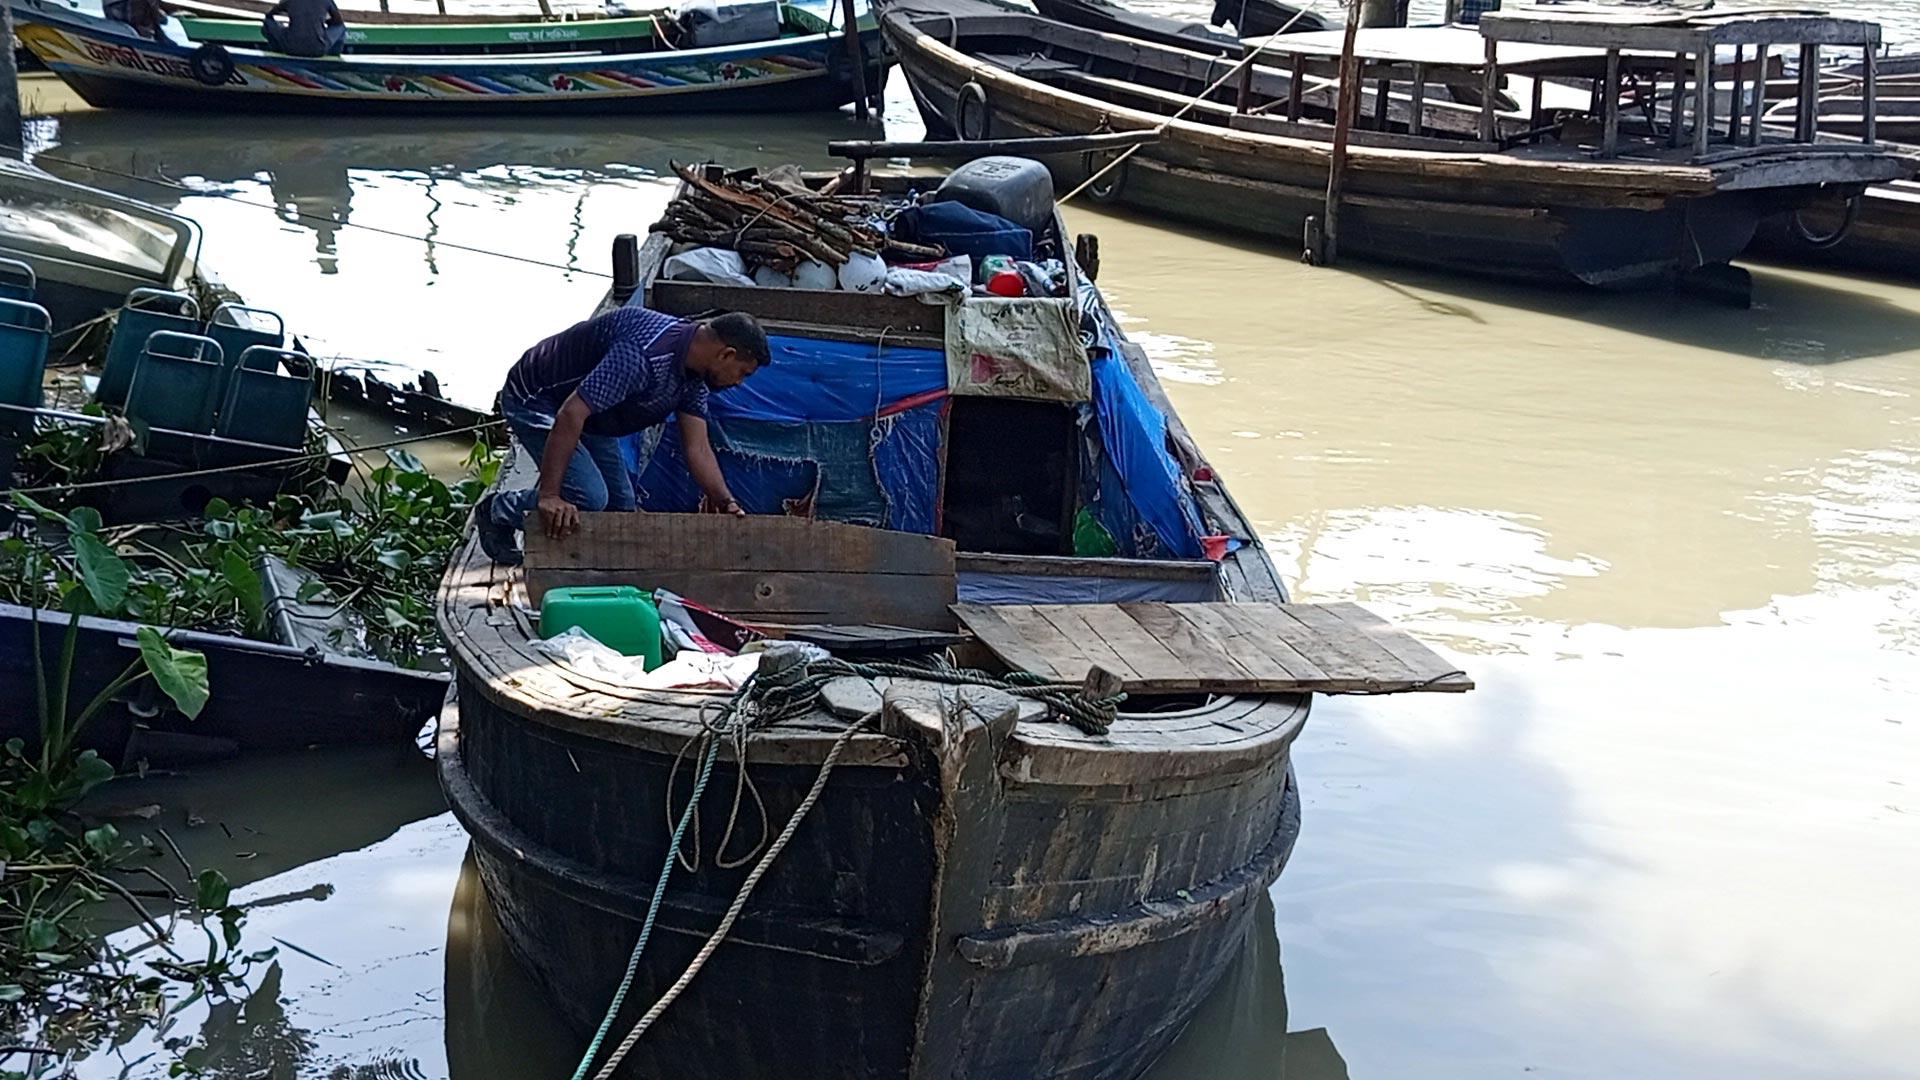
(780, 692)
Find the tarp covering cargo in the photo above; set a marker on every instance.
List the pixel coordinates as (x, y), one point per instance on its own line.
(1136, 490)
(845, 431)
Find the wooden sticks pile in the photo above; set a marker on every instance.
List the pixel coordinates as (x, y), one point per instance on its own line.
(778, 225)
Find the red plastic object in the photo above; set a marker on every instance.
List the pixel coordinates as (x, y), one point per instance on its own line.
(1007, 283)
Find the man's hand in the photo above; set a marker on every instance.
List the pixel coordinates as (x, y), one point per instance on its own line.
(733, 507)
(560, 516)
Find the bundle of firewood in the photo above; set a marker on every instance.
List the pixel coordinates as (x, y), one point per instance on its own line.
(779, 224)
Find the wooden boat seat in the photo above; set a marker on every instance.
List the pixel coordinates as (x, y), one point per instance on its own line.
(1032, 65)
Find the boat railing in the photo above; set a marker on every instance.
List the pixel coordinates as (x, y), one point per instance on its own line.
(1698, 67)
(1696, 41)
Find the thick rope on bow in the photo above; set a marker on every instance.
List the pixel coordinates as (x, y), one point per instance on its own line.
(788, 686)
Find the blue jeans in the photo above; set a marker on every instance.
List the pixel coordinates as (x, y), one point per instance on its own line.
(596, 476)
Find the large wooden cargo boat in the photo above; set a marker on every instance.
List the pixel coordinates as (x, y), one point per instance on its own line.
(595, 66)
(1590, 188)
(982, 889)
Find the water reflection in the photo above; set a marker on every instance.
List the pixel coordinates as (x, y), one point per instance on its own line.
(447, 250)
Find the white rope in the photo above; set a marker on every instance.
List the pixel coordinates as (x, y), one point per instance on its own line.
(739, 902)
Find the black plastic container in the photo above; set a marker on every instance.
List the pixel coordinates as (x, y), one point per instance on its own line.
(1018, 189)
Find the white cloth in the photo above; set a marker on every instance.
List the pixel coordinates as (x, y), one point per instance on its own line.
(580, 651)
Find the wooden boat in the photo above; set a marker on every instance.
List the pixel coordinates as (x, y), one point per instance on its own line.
(450, 68)
(992, 895)
(265, 696)
(1598, 196)
(1109, 17)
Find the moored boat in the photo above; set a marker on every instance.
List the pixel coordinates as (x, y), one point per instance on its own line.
(1585, 191)
(613, 65)
(982, 889)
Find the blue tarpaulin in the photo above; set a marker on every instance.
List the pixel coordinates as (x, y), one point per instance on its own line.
(844, 431)
(1138, 492)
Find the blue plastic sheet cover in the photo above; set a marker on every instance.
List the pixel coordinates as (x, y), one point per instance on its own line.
(845, 431)
(1137, 491)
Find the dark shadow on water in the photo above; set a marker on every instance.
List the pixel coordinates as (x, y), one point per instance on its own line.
(498, 1022)
(1240, 1031)
(262, 815)
(1794, 319)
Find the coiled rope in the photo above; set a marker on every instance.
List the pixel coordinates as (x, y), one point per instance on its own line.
(784, 689)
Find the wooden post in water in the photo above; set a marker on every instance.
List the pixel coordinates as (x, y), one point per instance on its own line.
(11, 128)
(857, 55)
(1324, 249)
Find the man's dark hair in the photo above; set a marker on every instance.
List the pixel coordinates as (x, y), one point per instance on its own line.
(742, 332)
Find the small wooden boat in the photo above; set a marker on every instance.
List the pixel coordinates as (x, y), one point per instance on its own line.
(264, 696)
(591, 66)
(979, 891)
(1586, 191)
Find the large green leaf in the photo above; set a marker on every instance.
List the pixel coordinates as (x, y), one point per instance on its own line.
(84, 519)
(244, 581)
(180, 673)
(104, 573)
(212, 890)
(39, 510)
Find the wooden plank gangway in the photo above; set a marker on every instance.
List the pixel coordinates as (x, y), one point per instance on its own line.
(1339, 648)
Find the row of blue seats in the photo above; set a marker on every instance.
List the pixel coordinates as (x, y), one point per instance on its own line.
(233, 380)
(231, 376)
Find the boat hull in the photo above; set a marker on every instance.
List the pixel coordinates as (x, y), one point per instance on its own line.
(1883, 238)
(836, 968)
(111, 67)
(264, 697)
(1615, 238)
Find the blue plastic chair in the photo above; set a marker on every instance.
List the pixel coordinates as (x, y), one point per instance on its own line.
(17, 281)
(237, 328)
(146, 312)
(262, 405)
(177, 383)
(26, 330)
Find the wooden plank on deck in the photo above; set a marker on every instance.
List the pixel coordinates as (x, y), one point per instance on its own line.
(1262, 648)
(765, 567)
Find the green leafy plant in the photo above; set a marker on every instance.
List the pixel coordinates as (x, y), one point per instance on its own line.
(378, 549)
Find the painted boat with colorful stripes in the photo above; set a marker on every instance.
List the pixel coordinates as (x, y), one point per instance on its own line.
(636, 71)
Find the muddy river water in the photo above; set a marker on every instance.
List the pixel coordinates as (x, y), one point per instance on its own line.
(1674, 833)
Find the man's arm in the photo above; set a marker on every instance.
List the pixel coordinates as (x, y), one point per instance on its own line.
(560, 516)
(703, 465)
(334, 18)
